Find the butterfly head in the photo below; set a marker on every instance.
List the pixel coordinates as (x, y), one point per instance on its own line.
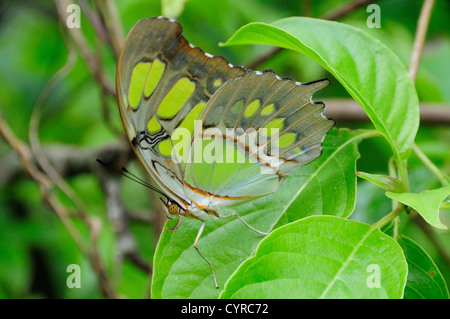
(171, 208)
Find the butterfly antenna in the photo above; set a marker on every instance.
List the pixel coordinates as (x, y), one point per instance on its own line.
(126, 173)
(134, 176)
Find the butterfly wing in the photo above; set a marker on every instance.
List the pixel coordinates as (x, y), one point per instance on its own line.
(163, 83)
(277, 126)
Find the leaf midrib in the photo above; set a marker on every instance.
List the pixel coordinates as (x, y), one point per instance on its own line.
(346, 262)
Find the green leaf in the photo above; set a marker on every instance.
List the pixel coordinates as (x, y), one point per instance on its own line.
(445, 205)
(425, 281)
(373, 75)
(385, 182)
(426, 203)
(322, 257)
(179, 272)
(172, 8)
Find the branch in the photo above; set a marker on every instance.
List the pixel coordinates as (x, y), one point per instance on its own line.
(106, 23)
(346, 9)
(33, 135)
(349, 111)
(263, 58)
(70, 160)
(126, 244)
(95, 21)
(45, 184)
(113, 25)
(90, 59)
(306, 6)
(421, 33)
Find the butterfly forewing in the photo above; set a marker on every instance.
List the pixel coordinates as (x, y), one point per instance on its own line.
(163, 84)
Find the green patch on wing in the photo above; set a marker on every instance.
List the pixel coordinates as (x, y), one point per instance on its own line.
(220, 167)
(251, 109)
(174, 101)
(144, 79)
(154, 76)
(137, 82)
(182, 136)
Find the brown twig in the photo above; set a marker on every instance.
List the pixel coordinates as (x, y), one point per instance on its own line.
(307, 8)
(93, 60)
(93, 224)
(265, 57)
(126, 244)
(140, 217)
(90, 59)
(346, 9)
(95, 21)
(349, 111)
(70, 160)
(419, 41)
(113, 25)
(105, 284)
(33, 135)
(106, 23)
(46, 185)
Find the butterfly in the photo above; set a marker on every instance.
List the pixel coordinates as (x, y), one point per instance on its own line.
(210, 134)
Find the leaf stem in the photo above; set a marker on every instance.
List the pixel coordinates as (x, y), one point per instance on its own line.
(389, 217)
(392, 167)
(433, 168)
(396, 225)
(403, 174)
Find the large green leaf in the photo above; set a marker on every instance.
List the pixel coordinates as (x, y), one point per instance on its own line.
(369, 70)
(179, 272)
(322, 257)
(425, 281)
(426, 203)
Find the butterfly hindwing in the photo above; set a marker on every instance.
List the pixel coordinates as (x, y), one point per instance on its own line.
(250, 104)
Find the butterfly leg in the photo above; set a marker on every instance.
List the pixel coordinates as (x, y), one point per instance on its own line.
(245, 223)
(174, 228)
(200, 231)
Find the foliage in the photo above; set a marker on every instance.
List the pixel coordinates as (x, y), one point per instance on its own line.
(332, 235)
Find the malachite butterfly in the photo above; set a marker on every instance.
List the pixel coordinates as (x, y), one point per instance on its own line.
(211, 134)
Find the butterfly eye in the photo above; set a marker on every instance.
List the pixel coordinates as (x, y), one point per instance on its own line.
(173, 209)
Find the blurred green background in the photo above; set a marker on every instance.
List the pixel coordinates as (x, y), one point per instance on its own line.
(35, 247)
